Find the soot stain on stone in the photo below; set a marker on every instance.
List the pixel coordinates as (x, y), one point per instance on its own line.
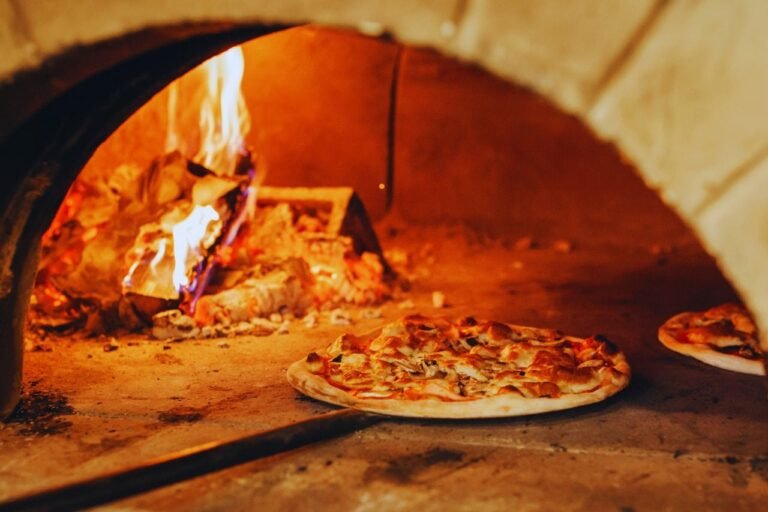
(39, 413)
(736, 478)
(183, 414)
(404, 469)
(759, 466)
(557, 447)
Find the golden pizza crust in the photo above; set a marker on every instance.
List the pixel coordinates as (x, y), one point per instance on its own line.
(706, 354)
(500, 406)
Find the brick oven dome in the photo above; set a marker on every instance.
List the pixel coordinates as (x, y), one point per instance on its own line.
(678, 86)
(585, 166)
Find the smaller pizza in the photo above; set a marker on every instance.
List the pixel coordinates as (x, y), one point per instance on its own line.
(438, 368)
(724, 336)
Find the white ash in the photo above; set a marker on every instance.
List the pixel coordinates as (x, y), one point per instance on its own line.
(310, 320)
(406, 304)
(173, 324)
(112, 345)
(241, 328)
(276, 318)
(262, 327)
(438, 299)
(278, 286)
(371, 313)
(284, 327)
(340, 316)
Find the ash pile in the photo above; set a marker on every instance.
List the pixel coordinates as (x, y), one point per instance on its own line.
(178, 251)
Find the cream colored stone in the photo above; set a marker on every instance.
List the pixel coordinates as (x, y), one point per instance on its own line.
(17, 51)
(735, 230)
(57, 25)
(691, 107)
(562, 49)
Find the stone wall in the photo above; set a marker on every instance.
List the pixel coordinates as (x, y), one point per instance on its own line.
(678, 85)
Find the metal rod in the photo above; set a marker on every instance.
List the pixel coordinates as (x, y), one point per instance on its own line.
(190, 463)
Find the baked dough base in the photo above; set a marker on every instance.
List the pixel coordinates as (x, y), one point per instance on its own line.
(500, 406)
(709, 356)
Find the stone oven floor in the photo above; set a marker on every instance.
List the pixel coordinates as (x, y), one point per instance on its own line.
(683, 436)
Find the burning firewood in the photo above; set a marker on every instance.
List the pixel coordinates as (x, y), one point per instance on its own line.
(267, 290)
(286, 258)
(129, 212)
(194, 241)
(185, 246)
(168, 254)
(173, 324)
(338, 210)
(346, 262)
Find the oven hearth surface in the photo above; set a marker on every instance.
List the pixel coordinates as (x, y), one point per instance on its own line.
(683, 435)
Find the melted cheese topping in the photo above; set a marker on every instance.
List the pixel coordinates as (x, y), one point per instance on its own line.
(420, 357)
(727, 328)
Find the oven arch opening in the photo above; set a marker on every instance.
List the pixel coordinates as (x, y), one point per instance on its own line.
(449, 142)
(590, 262)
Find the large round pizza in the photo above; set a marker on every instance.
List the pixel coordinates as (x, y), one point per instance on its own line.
(438, 368)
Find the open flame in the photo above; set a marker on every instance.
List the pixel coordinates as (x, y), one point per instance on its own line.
(224, 122)
(182, 237)
(224, 118)
(187, 238)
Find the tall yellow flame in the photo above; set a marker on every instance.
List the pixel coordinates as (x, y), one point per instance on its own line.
(224, 121)
(224, 118)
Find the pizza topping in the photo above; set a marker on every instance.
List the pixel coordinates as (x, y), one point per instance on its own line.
(421, 357)
(727, 329)
(466, 370)
(607, 345)
(315, 362)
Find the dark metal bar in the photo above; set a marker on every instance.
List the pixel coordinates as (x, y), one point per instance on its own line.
(190, 463)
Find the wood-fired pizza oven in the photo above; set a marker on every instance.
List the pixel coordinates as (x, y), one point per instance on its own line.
(595, 167)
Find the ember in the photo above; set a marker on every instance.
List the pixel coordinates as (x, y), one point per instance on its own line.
(192, 246)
